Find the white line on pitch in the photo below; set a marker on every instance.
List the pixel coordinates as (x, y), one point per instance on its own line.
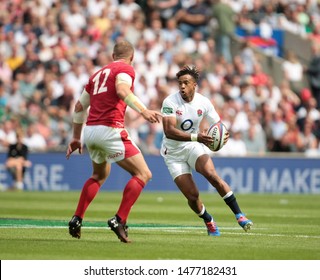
(229, 230)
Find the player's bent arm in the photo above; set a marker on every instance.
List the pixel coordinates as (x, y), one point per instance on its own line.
(123, 88)
(124, 92)
(80, 114)
(80, 109)
(171, 132)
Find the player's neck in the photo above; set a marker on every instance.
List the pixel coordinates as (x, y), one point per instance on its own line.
(122, 60)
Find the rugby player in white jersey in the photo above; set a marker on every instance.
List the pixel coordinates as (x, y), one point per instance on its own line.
(184, 147)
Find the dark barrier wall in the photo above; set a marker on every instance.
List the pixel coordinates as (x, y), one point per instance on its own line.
(52, 172)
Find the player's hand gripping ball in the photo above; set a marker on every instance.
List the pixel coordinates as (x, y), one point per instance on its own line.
(219, 134)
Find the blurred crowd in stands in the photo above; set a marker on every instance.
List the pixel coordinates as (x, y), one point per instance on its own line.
(49, 48)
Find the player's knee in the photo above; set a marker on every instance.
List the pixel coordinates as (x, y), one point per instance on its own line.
(193, 197)
(101, 178)
(148, 175)
(145, 175)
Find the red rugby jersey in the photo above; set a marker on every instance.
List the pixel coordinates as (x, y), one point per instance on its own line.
(106, 108)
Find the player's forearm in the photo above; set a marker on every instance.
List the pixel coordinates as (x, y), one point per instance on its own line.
(125, 93)
(77, 129)
(175, 134)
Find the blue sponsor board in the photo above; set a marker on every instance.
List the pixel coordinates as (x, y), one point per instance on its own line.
(53, 172)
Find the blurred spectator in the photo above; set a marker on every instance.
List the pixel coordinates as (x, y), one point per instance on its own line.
(293, 71)
(34, 140)
(308, 108)
(50, 36)
(43, 125)
(134, 32)
(313, 72)
(235, 145)
(17, 161)
(166, 8)
(73, 19)
(16, 59)
(217, 77)
(288, 95)
(66, 100)
(292, 140)
(289, 21)
(3, 100)
(248, 57)
(235, 82)
(127, 8)
(225, 17)
(27, 85)
(77, 77)
(16, 102)
(196, 45)
(302, 16)
(45, 53)
(278, 128)
(195, 17)
(314, 35)
(244, 21)
(240, 69)
(240, 114)
(254, 137)
(271, 17)
(261, 96)
(7, 134)
(96, 7)
(259, 77)
(5, 70)
(313, 9)
(170, 32)
(309, 140)
(274, 94)
(257, 12)
(60, 134)
(266, 119)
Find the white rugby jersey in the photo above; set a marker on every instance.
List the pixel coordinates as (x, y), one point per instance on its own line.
(188, 116)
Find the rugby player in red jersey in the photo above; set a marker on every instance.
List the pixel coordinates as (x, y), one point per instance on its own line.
(108, 92)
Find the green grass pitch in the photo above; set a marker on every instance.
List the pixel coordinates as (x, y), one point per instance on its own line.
(33, 226)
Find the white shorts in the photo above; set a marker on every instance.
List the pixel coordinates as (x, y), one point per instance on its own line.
(184, 160)
(110, 144)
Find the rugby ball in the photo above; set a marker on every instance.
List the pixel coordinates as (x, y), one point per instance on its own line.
(218, 133)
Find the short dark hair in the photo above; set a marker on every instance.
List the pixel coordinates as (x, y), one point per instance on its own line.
(123, 49)
(189, 70)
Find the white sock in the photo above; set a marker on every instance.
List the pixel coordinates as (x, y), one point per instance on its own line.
(202, 211)
(19, 186)
(228, 195)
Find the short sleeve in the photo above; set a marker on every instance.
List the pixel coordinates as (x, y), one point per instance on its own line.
(168, 108)
(212, 115)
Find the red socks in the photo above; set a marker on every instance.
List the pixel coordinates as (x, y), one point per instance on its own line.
(130, 194)
(89, 191)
